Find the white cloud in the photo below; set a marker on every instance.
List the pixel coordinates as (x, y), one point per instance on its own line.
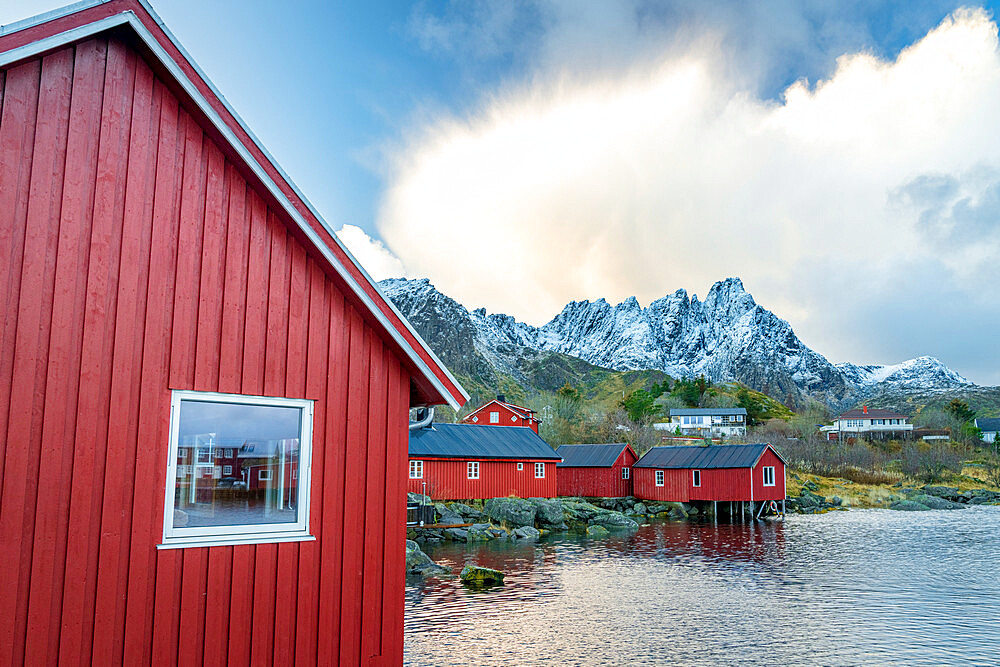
(376, 259)
(673, 175)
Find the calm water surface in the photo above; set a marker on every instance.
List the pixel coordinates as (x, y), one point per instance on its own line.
(846, 588)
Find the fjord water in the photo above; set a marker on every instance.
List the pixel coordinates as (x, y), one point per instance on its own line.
(846, 588)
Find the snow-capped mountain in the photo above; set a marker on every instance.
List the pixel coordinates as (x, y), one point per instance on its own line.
(726, 337)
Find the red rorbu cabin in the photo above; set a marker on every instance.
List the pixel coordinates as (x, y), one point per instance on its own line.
(463, 462)
(595, 471)
(745, 473)
(203, 399)
(499, 412)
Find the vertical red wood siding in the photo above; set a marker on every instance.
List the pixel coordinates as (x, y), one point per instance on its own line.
(716, 483)
(136, 259)
(448, 479)
(598, 482)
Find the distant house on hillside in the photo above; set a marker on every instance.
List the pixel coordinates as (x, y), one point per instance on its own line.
(710, 422)
(499, 412)
(595, 471)
(989, 426)
(870, 423)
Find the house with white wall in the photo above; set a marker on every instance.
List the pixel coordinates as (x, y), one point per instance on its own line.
(989, 427)
(871, 423)
(707, 422)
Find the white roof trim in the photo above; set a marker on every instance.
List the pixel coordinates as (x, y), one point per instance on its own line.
(191, 89)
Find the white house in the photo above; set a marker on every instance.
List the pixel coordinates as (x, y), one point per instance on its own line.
(989, 426)
(707, 421)
(869, 423)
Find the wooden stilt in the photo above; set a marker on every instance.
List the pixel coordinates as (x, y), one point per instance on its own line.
(782, 509)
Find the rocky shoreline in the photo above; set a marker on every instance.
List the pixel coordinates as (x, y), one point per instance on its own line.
(898, 497)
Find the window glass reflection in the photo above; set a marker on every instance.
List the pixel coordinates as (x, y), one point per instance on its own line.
(236, 464)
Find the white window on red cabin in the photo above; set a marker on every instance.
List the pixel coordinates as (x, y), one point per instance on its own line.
(624, 473)
(475, 418)
(768, 475)
(278, 433)
(416, 469)
(472, 470)
(520, 466)
(494, 417)
(539, 470)
(695, 478)
(513, 418)
(659, 478)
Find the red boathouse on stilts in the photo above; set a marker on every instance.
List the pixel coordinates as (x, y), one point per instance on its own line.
(203, 399)
(741, 473)
(595, 471)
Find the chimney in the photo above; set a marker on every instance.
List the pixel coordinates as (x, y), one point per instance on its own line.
(501, 398)
(864, 409)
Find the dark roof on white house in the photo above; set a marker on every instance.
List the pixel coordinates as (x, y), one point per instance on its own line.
(468, 441)
(713, 456)
(988, 423)
(590, 456)
(705, 412)
(873, 413)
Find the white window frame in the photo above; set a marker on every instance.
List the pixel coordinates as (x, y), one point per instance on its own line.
(625, 472)
(766, 470)
(416, 469)
(262, 533)
(494, 417)
(696, 478)
(539, 468)
(260, 475)
(513, 418)
(659, 477)
(472, 469)
(520, 466)
(227, 470)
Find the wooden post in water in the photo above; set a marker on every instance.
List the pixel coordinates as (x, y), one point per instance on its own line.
(782, 509)
(751, 510)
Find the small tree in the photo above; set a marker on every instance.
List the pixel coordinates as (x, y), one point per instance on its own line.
(929, 462)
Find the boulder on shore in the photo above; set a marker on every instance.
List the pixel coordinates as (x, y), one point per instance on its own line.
(512, 511)
(417, 562)
(936, 503)
(481, 576)
(909, 506)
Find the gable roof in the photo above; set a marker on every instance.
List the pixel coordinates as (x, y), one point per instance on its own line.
(705, 412)
(873, 413)
(988, 423)
(523, 413)
(714, 456)
(466, 441)
(35, 36)
(590, 456)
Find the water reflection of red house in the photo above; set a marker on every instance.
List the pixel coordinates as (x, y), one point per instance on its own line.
(595, 471)
(748, 473)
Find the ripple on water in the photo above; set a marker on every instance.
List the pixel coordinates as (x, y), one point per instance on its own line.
(858, 587)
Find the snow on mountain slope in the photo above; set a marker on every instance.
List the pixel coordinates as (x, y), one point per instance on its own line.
(726, 337)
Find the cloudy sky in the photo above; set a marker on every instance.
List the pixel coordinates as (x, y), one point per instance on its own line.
(842, 158)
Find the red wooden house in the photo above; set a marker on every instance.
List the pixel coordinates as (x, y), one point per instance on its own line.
(464, 462)
(595, 471)
(499, 412)
(164, 286)
(745, 473)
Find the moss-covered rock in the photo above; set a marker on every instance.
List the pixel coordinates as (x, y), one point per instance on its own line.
(909, 506)
(548, 512)
(481, 576)
(417, 562)
(936, 503)
(597, 531)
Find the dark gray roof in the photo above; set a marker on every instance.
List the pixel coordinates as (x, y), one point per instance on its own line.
(705, 412)
(468, 441)
(590, 456)
(988, 423)
(714, 456)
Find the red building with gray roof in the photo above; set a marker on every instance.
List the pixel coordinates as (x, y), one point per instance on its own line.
(499, 412)
(746, 473)
(595, 471)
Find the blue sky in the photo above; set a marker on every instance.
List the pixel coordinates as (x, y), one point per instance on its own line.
(447, 130)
